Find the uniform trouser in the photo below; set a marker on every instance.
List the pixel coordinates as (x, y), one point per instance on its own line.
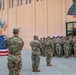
(44, 51)
(75, 51)
(35, 61)
(66, 52)
(48, 58)
(41, 51)
(70, 50)
(58, 50)
(14, 67)
(54, 52)
(62, 50)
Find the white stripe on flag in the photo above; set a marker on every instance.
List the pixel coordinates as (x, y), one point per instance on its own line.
(3, 52)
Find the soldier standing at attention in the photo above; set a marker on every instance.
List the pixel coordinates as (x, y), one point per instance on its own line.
(66, 47)
(14, 45)
(58, 47)
(35, 45)
(74, 45)
(43, 45)
(49, 51)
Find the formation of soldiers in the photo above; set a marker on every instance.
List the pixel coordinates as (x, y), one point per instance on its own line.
(49, 47)
(63, 46)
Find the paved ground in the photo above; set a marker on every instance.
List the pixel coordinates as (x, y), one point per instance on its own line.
(61, 66)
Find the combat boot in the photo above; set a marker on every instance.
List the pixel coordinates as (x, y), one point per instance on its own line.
(33, 70)
(48, 64)
(37, 70)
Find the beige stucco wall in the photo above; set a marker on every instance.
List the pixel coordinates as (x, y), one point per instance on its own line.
(42, 18)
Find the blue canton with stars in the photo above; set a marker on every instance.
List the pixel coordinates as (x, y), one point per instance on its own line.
(2, 42)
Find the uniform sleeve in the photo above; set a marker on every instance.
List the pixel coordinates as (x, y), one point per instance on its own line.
(21, 43)
(6, 43)
(31, 44)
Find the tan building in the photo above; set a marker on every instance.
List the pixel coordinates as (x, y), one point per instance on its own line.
(36, 17)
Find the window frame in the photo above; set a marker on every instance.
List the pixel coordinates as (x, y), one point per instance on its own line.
(72, 29)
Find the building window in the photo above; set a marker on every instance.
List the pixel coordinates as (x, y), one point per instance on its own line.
(20, 2)
(26, 1)
(71, 29)
(29, 1)
(1, 4)
(37, 0)
(9, 3)
(12, 3)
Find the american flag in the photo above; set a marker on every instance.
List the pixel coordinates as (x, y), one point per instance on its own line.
(3, 50)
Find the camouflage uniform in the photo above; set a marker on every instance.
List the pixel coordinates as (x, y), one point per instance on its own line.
(75, 48)
(58, 48)
(49, 51)
(14, 45)
(43, 45)
(62, 46)
(74, 45)
(54, 41)
(35, 45)
(71, 45)
(66, 48)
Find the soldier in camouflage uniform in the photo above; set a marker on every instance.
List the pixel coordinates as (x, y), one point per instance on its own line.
(66, 47)
(14, 45)
(62, 46)
(43, 45)
(49, 51)
(71, 45)
(58, 47)
(74, 45)
(35, 45)
(40, 45)
(54, 41)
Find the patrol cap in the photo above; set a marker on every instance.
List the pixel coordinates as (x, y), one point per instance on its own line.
(53, 37)
(58, 36)
(67, 37)
(48, 37)
(15, 30)
(35, 36)
(43, 37)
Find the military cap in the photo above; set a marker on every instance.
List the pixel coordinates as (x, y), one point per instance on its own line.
(15, 30)
(35, 36)
(66, 37)
(48, 37)
(53, 37)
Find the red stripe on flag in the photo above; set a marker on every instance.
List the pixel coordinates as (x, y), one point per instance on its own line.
(3, 54)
